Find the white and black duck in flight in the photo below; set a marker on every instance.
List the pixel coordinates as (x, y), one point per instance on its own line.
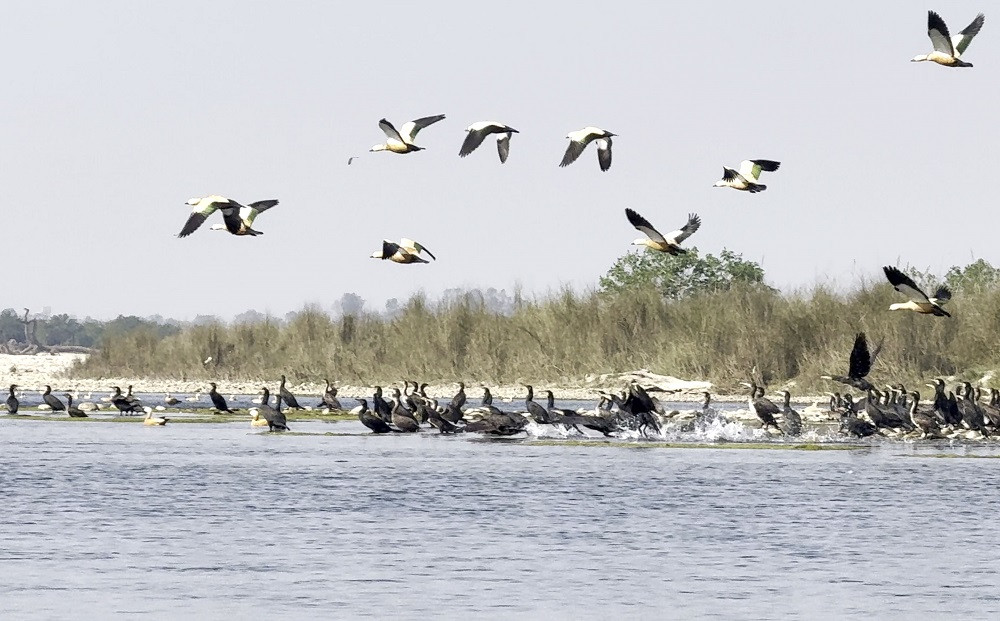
(477, 132)
(948, 49)
(401, 141)
(406, 251)
(579, 140)
(670, 243)
(237, 219)
(747, 177)
(919, 301)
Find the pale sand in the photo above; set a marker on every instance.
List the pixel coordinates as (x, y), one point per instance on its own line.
(35, 371)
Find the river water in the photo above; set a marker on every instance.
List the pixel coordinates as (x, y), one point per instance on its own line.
(103, 520)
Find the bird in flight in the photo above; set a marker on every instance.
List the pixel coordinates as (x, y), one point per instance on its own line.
(579, 140)
(919, 301)
(670, 243)
(401, 141)
(747, 176)
(237, 219)
(948, 49)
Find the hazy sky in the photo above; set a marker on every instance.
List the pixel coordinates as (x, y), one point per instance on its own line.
(115, 113)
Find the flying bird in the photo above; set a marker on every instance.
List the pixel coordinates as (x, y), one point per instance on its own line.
(397, 253)
(747, 176)
(477, 132)
(859, 366)
(579, 140)
(948, 49)
(919, 302)
(670, 243)
(402, 141)
(237, 219)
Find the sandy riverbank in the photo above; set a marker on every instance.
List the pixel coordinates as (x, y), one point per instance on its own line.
(35, 371)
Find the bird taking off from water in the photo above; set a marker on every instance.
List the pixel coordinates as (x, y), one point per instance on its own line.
(237, 219)
(948, 49)
(919, 302)
(669, 243)
(579, 140)
(480, 130)
(747, 176)
(402, 141)
(859, 366)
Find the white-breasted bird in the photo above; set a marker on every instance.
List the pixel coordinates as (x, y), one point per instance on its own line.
(655, 240)
(747, 176)
(579, 140)
(919, 301)
(236, 218)
(948, 49)
(398, 254)
(401, 141)
(477, 132)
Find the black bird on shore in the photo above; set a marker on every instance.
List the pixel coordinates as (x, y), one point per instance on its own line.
(764, 408)
(120, 401)
(287, 396)
(537, 412)
(52, 401)
(330, 398)
(459, 399)
(72, 410)
(218, 400)
(792, 420)
(381, 406)
(402, 418)
(859, 365)
(12, 403)
(275, 418)
(371, 421)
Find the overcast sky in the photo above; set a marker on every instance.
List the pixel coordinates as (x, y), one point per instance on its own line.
(115, 113)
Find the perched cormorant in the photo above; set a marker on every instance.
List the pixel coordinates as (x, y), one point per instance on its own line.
(480, 130)
(537, 412)
(947, 49)
(851, 424)
(919, 301)
(287, 397)
(972, 414)
(401, 418)
(747, 176)
(275, 418)
(120, 401)
(52, 401)
(859, 366)
(373, 422)
(380, 406)
(670, 243)
(579, 140)
(218, 400)
(459, 399)
(72, 410)
(12, 403)
(330, 398)
(792, 421)
(402, 141)
(922, 419)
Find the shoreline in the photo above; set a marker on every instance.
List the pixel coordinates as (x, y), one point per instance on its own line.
(33, 372)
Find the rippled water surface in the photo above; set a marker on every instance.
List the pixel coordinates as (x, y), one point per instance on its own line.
(209, 520)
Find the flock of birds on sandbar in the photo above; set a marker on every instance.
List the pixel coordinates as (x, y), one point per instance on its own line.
(892, 411)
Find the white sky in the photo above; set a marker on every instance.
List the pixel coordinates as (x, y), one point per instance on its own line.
(115, 113)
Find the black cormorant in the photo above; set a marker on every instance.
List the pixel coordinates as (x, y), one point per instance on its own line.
(218, 400)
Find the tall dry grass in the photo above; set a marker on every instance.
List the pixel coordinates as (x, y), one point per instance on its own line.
(716, 336)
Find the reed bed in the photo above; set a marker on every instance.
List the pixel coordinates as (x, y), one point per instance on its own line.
(565, 337)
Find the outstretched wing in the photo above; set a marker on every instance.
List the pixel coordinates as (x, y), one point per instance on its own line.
(643, 225)
(942, 295)
(503, 147)
(415, 247)
(604, 153)
(573, 151)
(937, 30)
(473, 139)
(728, 174)
(390, 131)
(410, 129)
(251, 211)
(693, 223)
(752, 168)
(964, 38)
(904, 284)
(861, 359)
(199, 213)
(389, 248)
